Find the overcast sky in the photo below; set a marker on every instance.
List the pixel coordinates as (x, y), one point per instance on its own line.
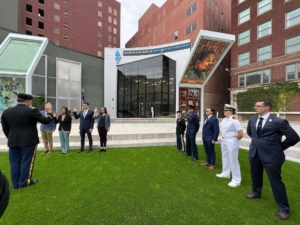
(131, 12)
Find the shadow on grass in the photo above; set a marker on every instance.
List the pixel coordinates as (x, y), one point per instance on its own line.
(149, 185)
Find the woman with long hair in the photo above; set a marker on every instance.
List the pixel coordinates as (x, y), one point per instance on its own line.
(103, 126)
(65, 123)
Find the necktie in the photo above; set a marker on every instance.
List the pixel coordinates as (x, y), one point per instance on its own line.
(259, 126)
(84, 114)
(205, 120)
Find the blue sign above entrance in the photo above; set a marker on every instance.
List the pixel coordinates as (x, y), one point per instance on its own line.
(157, 50)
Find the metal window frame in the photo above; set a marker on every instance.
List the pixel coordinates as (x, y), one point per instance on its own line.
(290, 19)
(264, 53)
(240, 60)
(264, 29)
(271, 3)
(239, 44)
(239, 18)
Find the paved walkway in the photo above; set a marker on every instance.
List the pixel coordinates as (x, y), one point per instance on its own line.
(144, 133)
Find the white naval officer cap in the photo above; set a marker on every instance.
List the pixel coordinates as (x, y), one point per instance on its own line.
(229, 107)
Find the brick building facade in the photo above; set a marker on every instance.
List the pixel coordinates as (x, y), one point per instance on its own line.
(267, 47)
(87, 26)
(179, 20)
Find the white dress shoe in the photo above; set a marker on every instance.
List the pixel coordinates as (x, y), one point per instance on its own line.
(221, 175)
(232, 184)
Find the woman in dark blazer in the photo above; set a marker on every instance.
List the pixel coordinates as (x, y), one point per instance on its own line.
(65, 123)
(103, 126)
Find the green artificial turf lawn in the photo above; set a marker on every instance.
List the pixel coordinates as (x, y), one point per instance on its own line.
(149, 185)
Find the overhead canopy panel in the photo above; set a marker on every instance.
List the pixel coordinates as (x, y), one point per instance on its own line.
(208, 51)
(19, 54)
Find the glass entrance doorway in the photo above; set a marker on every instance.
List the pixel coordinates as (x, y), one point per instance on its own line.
(146, 85)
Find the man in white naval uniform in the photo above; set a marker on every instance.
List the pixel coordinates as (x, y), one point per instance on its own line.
(232, 133)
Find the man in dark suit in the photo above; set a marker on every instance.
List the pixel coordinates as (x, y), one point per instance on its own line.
(210, 133)
(266, 152)
(86, 124)
(180, 128)
(19, 126)
(191, 132)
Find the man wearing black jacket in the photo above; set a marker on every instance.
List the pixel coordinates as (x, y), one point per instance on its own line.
(19, 126)
(4, 193)
(180, 128)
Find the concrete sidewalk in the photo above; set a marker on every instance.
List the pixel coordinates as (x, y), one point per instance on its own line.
(144, 132)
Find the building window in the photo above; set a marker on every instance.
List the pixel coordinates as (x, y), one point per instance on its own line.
(28, 8)
(109, 38)
(56, 30)
(244, 37)
(115, 40)
(66, 37)
(41, 25)
(192, 9)
(65, 25)
(41, 2)
(264, 53)
(110, 19)
(175, 35)
(109, 29)
(57, 18)
(264, 29)
(240, 1)
(244, 16)
(293, 18)
(56, 41)
(99, 34)
(66, 13)
(99, 13)
(115, 21)
(191, 28)
(41, 13)
(109, 46)
(115, 12)
(99, 44)
(99, 24)
(115, 31)
(244, 59)
(293, 45)
(258, 77)
(99, 53)
(40, 35)
(264, 6)
(28, 21)
(99, 4)
(109, 9)
(66, 2)
(56, 6)
(293, 71)
(28, 32)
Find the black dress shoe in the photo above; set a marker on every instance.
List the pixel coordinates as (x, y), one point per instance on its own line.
(194, 159)
(282, 215)
(33, 182)
(251, 196)
(103, 150)
(81, 150)
(187, 154)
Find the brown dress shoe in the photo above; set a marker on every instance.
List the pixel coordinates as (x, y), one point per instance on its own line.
(251, 196)
(49, 152)
(205, 164)
(282, 215)
(211, 168)
(44, 152)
